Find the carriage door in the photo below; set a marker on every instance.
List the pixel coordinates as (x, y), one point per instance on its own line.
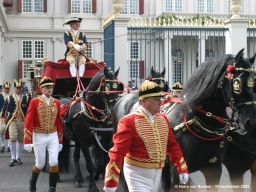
(177, 60)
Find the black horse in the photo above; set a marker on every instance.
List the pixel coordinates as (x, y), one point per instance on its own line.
(199, 120)
(85, 123)
(126, 104)
(241, 156)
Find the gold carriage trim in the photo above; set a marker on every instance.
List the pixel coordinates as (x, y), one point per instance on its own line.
(144, 164)
(113, 164)
(111, 176)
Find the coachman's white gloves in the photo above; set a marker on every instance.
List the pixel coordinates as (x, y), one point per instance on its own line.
(77, 47)
(4, 126)
(60, 147)
(28, 147)
(109, 189)
(183, 178)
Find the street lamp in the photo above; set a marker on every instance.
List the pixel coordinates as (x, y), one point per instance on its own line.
(31, 77)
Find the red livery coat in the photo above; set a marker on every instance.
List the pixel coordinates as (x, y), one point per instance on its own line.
(143, 144)
(43, 118)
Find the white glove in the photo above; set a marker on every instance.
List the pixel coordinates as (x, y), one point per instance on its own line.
(60, 147)
(4, 126)
(77, 47)
(183, 178)
(109, 189)
(28, 147)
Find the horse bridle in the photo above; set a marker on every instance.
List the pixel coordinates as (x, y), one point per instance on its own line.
(236, 87)
(161, 79)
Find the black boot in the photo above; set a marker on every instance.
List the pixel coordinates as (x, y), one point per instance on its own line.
(32, 182)
(53, 178)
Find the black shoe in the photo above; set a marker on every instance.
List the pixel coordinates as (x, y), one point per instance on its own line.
(18, 161)
(52, 189)
(12, 163)
(2, 149)
(8, 149)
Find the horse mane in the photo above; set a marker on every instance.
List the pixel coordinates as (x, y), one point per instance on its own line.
(95, 81)
(203, 82)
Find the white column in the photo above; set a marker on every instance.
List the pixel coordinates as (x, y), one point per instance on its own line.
(236, 36)
(57, 6)
(57, 17)
(121, 48)
(201, 50)
(168, 57)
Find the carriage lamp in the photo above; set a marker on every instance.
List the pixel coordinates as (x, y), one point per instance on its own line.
(31, 72)
(38, 69)
(31, 77)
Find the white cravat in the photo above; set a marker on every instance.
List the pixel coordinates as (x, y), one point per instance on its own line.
(75, 31)
(150, 116)
(18, 97)
(47, 99)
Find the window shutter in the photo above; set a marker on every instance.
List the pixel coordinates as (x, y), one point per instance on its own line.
(8, 4)
(45, 6)
(94, 6)
(141, 69)
(141, 7)
(19, 6)
(20, 69)
(69, 6)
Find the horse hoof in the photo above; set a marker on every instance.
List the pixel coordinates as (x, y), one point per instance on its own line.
(78, 184)
(93, 189)
(96, 178)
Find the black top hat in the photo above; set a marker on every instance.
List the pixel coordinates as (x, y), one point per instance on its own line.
(17, 83)
(149, 89)
(46, 81)
(177, 87)
(7, 85)
(73, 20)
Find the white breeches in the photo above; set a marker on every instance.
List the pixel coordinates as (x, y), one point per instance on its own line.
(142, 179)
(41, 142)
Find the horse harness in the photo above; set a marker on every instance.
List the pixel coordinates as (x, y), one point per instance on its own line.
(230, 124)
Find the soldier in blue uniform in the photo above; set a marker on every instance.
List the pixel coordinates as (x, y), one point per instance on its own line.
(3, 96)
(75, 42)
(13, 116)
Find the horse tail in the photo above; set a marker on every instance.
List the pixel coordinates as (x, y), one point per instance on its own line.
(64, 162)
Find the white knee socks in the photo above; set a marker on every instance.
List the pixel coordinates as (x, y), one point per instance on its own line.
(13, 149)
(81, 70)
(2, 140)
(18, 150)
(72, 70)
